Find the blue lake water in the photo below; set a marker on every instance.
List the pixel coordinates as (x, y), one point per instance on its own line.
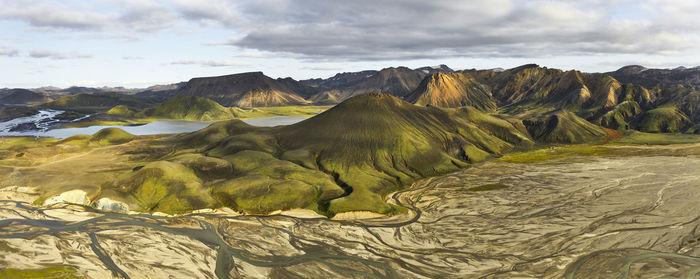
(44, 120)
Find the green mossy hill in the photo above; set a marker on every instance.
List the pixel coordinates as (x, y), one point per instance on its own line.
(23, 96)
(216, 133)
(120, 110)
(258, 181)
(686, 100)
(190, 108)
(208, 168)
(350, 156)
(495, 125)
(452, 90)
(7, 113)
(264, 183)
(642, 96)
(110, 136)
(620, 117)
(563, 127)
(664, 119)
(694, 129)
(76, 140)
(162, 186)
(533, 88)
(330, 97)
(373, 144)
(95, 102)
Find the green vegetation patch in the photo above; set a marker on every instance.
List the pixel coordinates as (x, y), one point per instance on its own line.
(205, 166)
(563, 127)
(264, 183)
(111, 136)
(665, 119)
(95, 102)
(620, 117)
(61, 272)
(694, 130)
(164, 186)
(259, 112)
(120, 110)
(657, 139)
(554, 153)
(189, 108)
(76, 140)
(17, 111)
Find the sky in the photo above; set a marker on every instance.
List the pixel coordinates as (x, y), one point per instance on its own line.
(138, 43)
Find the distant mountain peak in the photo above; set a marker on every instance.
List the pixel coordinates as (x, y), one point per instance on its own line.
(442, 68)
(249, 89)
(631, 69)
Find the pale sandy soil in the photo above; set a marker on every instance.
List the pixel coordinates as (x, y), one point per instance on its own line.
(621, 217)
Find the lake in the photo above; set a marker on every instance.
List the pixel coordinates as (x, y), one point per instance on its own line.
(44, 119)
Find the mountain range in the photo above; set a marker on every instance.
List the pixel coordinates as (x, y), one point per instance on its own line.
(633, 97)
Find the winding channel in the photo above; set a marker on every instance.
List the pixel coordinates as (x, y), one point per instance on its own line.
(593, 219)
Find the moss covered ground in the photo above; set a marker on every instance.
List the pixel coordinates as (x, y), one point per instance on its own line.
(636, 137)
(347, 158)
(61, 272)
(186, 108)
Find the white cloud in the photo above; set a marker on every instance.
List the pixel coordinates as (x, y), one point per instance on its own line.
(362, 30)
(4, 51)
(209, 63)
(57, 55)
(52, 14)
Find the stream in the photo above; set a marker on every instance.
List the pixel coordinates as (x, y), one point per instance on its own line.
(600, 218)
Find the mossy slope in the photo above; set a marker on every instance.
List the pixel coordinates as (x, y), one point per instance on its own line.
(190, 108)
(665, 119)
(385, 143)
(121, 110)
(95, 102)
(563, 127)
(163, 186)
(111, 136)
(348, 157)
(621, 116)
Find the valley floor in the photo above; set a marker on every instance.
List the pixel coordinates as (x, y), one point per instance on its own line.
(610, 211)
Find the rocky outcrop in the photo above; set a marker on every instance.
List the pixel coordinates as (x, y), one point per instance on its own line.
(78, 197)
(452, 90)
(252, 89)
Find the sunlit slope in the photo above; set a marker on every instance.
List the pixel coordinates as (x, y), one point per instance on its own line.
(190, 108)
(452, 90)
(369, 145)
(563, 127)
(252, 89)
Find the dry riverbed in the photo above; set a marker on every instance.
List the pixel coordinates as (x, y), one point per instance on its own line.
(632, 216)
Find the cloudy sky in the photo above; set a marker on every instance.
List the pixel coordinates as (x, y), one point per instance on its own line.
(136, 43)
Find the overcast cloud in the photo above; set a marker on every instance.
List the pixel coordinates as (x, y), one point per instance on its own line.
(322, 31)
(409, 29)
